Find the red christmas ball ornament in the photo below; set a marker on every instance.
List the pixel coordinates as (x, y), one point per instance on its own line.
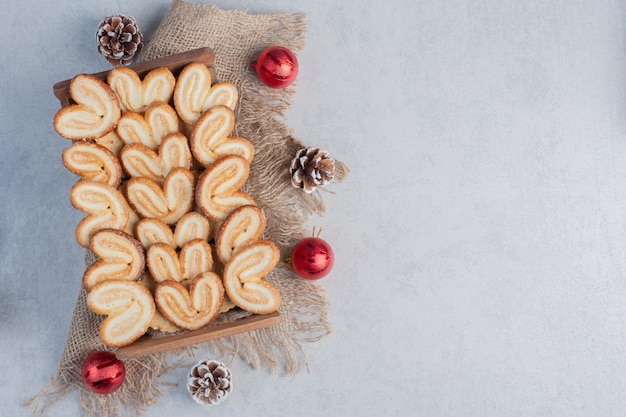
(103, 372)
(312, 258)
(277, 66)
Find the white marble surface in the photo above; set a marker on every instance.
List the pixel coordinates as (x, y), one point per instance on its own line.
(480, 238)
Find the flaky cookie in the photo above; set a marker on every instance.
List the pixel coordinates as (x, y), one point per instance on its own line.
(194, 307)
(129, 307)
(96, 112)
(241, 227)
(161, 324)
(191, 226)
(193, 94)
(227, 305)
(93, 162)
(135, 94)
(217, 189)
(112, 142)
(165, 263)
(120, 257)
(150, 231)
(210, 137)
(149, 128)
(139, 160)
(168, 201)
(158, 323)
(243, 277)
(105, 205)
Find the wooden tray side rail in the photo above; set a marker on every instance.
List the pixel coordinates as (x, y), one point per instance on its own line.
(148, 345)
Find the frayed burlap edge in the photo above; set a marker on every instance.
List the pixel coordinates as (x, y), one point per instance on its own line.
(237, 38)
(142, 387)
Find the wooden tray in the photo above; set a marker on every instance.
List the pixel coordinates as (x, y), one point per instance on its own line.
(148, 345)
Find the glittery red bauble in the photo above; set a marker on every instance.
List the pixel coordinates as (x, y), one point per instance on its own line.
(103, 372)
(277, 66)
(312, 258)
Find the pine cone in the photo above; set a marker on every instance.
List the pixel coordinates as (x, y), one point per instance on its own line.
(209, 382)
(311, 168)
(119, 39)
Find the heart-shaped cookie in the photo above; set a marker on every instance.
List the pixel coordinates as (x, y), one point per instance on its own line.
(167, 202)
(193, 94)
(217, 189)
(241, 227)
(191, 308)
(209, 138)
(129, 307)
(93, 162)
(105, 205)
(96, 112)
(120, 257)
(158, 323)
(136, 95)
(139, 160)
(243, 277)
(150, 231)
(192, 225)
(164, 263)
(149, 129)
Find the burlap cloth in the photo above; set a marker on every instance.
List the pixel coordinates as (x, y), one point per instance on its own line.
(237, 37)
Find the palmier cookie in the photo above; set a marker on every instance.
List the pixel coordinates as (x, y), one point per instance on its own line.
(162, 325)
(136, 95)
(105, 205)
(191, 226)
(194, 307)
(129, 306)
(217, 189)
(149, 128)
(243, 277)
(242, 226)
(150, 231)
(165, 263)
(210, 137)
(158, 323)
(93, 162)
(227, 305)
(167, 202)
(193, 94)
(120, 257)
(112, 142)
(139, 160)
(95, 113)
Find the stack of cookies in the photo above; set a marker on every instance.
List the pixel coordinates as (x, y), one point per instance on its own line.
(177, 241)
